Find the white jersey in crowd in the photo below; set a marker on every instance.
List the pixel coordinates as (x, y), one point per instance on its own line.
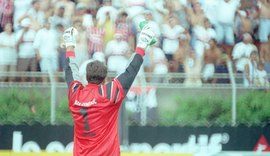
(8, 54)
(202, 37)
(155, 28)
(116, 52)
(46, 42)
(20, 8)
(26, 48)
(210, 9)
(226, 11)
(171, 35)
(159, 60)
(157, 8)
(261, 78)
(38, 16)
(101, 14)
(241, 53)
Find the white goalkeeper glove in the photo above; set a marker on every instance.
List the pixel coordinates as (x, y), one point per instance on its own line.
(69, 37)
(146, 37)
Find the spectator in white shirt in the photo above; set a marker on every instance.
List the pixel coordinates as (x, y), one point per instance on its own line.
(261, 79)
(26, 52)
(148, 16)
(264, 32)
(241, 52)
(106, 9)
(20, 9)
(83, 15)
(202, 36)
(36, 14)
(117, 53)
(157, 8)
(226, 11)
(69, 6)
(158, 63)
(59, 18)
(171, 32)
(45, 44)
(8, 54)
(210, 8)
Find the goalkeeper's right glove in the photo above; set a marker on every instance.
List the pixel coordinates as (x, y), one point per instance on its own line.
(146, 37)
(69, 37)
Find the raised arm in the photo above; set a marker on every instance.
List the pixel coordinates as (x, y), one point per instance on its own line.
(71, 67)
(146, 37)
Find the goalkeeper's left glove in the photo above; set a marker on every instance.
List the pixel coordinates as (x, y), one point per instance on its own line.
(146, 37)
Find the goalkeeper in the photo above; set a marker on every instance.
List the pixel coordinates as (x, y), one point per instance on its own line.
(95, 107)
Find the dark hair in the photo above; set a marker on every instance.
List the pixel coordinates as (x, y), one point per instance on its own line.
(96, 72)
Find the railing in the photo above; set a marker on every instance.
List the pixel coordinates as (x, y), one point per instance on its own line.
(171, 81)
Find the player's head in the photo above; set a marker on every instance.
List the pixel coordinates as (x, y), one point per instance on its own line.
(96, 72)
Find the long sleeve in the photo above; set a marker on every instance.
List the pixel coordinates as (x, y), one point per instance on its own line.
(126, 79)
(71, 68)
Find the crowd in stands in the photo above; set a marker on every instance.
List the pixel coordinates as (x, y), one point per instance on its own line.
(195, 37)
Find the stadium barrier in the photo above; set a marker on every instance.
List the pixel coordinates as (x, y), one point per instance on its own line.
(146, 139)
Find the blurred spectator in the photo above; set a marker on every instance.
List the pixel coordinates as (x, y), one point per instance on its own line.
(202, 34)
(26, 52)
(69, 6)
(45, 44)
(210, 9)
(6, 12)
(82, 15)
(158, 9)
(241, 52)
(192, 67)
(226, 11)
(264, 32)
(8, 54)
(81, 49)
(105, 12)
(251, 69)
(61, 50)
(195, 14)
(124, 26)
(261, 79)
(243, 24)
(47, 7)
(178, 7)
(20, 9)
(109, 27)
(158, 64)
(221, 68)
(182, 52)
(95, 36)
(171, 31)
(212, 57)
(117, 53)
(135, 10)
(92, 5)
(36, 15)
(59, 18)
(118, 4)
(148, 16)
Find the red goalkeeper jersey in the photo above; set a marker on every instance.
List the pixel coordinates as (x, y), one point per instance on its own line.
(95, 110)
